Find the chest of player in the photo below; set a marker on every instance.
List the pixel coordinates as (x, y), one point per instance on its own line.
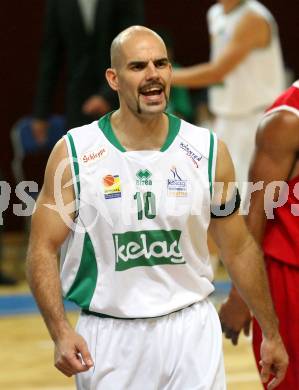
(135, 188)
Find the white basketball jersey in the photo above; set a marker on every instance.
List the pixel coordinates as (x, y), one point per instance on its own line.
(259, 78)
(140, 244)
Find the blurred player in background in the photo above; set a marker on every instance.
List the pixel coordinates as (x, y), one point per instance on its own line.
(179, 103)
(275, 159)
(245, 73)
(5, 280)
(79, 32)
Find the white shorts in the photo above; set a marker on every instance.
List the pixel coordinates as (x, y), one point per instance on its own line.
(180, 351)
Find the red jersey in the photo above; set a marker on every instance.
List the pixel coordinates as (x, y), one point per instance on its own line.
(281, 239)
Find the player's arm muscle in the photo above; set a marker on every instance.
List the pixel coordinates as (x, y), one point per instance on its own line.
(251, 33)
(277, 144)
(48, 232)
(241, 255)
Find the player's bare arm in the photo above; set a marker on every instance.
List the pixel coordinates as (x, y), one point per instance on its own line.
(48, 232)
(244, 262)
(277, 145)
(251, 33)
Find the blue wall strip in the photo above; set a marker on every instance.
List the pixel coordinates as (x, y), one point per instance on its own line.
(25, 303)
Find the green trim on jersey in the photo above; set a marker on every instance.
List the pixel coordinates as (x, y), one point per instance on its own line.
(82, 289)
(174, 125)
(75, 163)
(105, 125)
(210, 163)
(173, 129)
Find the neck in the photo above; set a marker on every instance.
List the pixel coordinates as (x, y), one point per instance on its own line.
(229, 5)
(140, 132)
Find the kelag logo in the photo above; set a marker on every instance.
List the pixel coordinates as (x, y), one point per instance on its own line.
(176, 186)
(147, 248)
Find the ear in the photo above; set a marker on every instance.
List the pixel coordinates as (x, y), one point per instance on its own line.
(111, 77)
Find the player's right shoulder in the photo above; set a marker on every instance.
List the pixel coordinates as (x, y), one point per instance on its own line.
(58, 160)
(84, 137)
(58, 170)
(279, 129)
(281, 119)
(82, 131)
(59, 151)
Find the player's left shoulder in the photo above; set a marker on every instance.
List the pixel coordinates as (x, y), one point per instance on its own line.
(199, 138)
(252, 20)
(224, 166)
(192, 128)
(254, 27)
(256, 20)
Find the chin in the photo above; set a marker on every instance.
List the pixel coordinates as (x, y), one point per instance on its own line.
(154, 109)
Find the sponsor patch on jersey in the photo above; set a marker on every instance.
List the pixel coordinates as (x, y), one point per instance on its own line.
(195, 158)
(93, 156)
(143, 178)
(176, 186)
(147, 248)
(111, 184)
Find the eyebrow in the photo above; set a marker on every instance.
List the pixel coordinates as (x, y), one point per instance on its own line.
(134, 63)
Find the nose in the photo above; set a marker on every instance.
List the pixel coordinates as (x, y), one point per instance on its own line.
(151, 71)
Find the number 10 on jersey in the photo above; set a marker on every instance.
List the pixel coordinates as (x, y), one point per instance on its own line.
(146, 205)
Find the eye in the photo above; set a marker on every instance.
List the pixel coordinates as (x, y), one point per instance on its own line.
(137, 66)
(161, 63)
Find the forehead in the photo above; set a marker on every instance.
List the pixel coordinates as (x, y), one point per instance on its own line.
(143, 47)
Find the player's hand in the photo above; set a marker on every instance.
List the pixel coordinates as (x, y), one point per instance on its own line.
(40, 130)
(274, 361)
(96, 105)
(71, 354)
(234, 316)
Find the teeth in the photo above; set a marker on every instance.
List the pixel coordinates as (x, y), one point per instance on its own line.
(153, 89)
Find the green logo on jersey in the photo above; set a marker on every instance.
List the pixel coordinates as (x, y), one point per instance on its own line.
(143, 177)
(147, 248)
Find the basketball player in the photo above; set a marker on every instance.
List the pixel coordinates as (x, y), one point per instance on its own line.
(276, 159)
(245, 74)
(135, 256)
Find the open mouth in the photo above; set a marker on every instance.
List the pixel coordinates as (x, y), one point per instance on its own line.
(155, 91)
(152, 92)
